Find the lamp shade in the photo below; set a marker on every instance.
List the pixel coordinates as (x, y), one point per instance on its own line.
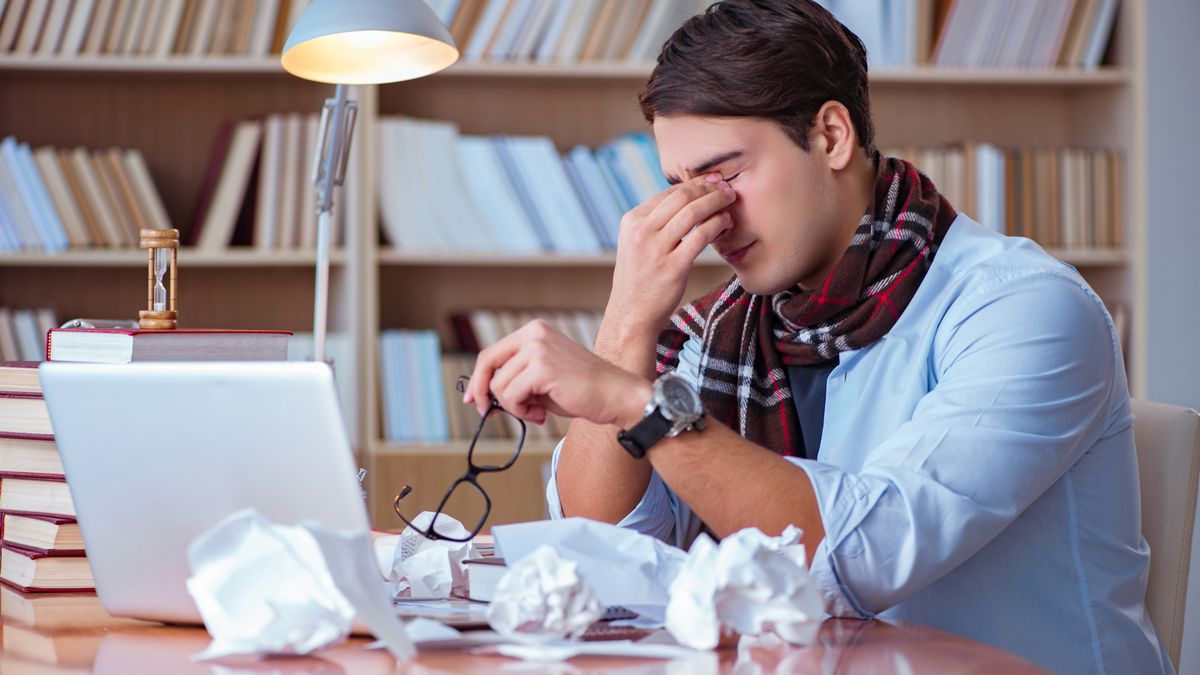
(367, 42)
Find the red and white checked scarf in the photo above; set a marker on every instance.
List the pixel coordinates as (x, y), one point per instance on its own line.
(747, 341)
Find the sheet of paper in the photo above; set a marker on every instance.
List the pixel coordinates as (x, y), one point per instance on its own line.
(621, 566)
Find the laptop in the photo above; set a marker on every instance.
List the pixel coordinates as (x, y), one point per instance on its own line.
(158, 453)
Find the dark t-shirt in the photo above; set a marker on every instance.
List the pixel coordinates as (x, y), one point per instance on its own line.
(808, 394)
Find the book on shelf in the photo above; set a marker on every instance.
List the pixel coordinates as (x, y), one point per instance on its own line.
(1068, 198)
(418, 398)
(53, 199)
(43, 534)
(1063, 33)
(41, 496)
(196, 344)
(443, 192)
(23, 335)
(29, 570)
(149, 28)
(257, 189)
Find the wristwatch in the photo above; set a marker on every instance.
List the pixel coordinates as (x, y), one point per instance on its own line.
(674, 408)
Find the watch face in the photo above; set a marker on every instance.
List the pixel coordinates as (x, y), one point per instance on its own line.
(679, 400)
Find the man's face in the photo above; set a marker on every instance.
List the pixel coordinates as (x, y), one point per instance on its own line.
(785, 221)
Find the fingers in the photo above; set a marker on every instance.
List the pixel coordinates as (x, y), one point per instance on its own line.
(486, 364)
(702, 235)
(698, 211)
(680, 197)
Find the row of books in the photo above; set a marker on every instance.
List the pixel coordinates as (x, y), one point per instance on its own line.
(258, 188)
(148, 28)
(23, 332)
(1025, 33)
(441, 191)
(40, 544)
(1069, 198)
(630, 31)
(54, 199)
(417, 380)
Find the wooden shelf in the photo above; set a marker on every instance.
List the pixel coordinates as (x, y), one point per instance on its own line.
(919, 75)
(394, 257)
(137, 64)
(596, 70)
(233, 257)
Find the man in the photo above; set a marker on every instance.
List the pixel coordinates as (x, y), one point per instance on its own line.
(943, 410)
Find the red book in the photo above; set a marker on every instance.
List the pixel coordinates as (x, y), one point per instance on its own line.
(40, 496)
(19, 377)
(128, 345)
(48, 535)
(32, 571)
(25, 413)
(29, 456)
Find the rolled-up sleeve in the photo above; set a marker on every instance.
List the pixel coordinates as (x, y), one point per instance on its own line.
(1024, 372)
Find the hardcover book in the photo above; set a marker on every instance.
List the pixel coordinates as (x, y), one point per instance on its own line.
(48, 535)
(129, 345)
(29, 570)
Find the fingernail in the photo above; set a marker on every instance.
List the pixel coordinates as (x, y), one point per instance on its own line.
(714, 178)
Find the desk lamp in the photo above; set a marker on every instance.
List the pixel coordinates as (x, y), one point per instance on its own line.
(345, 42)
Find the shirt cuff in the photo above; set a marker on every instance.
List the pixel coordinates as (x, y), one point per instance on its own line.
(841, 503)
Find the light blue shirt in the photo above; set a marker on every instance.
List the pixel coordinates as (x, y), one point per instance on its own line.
(977, 470)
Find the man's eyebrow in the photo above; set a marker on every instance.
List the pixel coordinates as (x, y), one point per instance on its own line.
(705, 166)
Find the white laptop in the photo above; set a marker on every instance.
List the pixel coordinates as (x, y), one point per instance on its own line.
(157, 453)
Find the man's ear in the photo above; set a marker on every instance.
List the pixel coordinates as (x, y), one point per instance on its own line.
(834, 135)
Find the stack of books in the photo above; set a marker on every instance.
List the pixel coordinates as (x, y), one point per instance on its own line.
(150, 28)
(42, 549)
(54, 199)
(23, 333)
(40, 545)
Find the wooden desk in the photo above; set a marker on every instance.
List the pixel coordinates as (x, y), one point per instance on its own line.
(72, 634)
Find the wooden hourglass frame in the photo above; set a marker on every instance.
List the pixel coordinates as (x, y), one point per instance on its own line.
(166, 241)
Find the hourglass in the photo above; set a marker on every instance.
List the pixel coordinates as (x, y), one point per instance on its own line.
(160, 311)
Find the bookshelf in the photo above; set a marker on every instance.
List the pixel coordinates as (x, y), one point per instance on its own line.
(171, 108)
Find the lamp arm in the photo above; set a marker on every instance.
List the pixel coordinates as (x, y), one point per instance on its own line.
(338, 117)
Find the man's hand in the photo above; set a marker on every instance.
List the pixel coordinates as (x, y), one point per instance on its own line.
(657, 246)
(537, 369)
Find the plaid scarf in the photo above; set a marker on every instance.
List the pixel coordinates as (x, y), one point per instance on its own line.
(747, 341)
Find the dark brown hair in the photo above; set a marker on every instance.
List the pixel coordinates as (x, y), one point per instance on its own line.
(774, 59)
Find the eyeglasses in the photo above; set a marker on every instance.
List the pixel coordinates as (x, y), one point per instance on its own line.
(471, 477)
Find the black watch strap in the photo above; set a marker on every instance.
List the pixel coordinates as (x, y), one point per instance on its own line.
(638, 439)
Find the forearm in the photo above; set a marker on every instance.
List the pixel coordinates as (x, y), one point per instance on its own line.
(596, 477)
(733, 484)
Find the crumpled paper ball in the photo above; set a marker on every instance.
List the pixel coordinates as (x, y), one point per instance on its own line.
(418, 567)
(750, 583)
(543, 597)
(264, 588)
